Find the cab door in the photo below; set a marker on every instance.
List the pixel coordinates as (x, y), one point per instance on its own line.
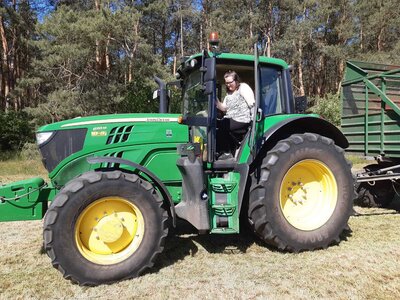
(257, 111)
(210, 90)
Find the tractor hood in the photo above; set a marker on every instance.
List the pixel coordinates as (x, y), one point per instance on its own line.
(84, 122)
(121, 135)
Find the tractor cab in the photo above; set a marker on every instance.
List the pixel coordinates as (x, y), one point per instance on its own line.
(213, 189)
(203, 83)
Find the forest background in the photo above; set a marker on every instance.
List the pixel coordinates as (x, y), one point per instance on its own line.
(62, 59)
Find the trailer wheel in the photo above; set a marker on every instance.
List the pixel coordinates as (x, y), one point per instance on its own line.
(302, 196)
(377, 194)
(103, 227)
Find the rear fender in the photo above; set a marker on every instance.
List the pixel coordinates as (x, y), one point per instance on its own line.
(301, 124)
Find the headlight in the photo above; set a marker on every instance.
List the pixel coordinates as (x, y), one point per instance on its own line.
(43, 137)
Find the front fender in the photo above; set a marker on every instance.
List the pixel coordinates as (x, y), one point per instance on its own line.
(157, 182)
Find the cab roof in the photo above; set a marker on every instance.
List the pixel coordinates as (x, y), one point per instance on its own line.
(244, 57)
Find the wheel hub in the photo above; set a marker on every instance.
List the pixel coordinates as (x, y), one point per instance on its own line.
(308, 194)
(297, 193)
(109, 229)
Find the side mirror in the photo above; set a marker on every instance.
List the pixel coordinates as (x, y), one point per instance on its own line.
(300, 104)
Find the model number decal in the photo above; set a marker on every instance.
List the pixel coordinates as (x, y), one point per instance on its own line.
(99, 133)
(99, 128)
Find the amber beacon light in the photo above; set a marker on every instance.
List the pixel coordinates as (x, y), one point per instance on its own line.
(214, 39)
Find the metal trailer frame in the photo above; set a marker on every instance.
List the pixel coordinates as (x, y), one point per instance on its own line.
(370, 98)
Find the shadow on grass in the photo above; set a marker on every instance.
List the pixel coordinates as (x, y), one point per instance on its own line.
(393, 208)
(357, 215)
(183, 241)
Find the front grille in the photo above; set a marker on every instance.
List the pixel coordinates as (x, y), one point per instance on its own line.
(119, 134)
(63, 144)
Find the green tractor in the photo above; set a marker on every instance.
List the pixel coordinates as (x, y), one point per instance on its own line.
(118, 182)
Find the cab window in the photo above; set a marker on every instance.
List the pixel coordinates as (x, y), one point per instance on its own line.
(270, 98)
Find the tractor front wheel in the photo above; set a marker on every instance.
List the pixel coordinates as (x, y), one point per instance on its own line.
(301, 196)
(104, 227)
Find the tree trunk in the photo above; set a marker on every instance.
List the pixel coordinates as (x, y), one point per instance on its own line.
(101, 64)
(130, 71)
(182, 53)
(361, 36)
(300, 69)
(97, 4)
(5, 65)
(201, 38)
(380, 39)
(268, 33)
(174, 66)
(340, 76)
(107, 55)
(251, 19)
(163, 44)
(321, 75)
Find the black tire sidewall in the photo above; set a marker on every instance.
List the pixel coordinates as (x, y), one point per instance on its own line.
(67, 253)
(288, 235)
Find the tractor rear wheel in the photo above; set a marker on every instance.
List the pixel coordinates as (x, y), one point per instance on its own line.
(103, 227)
(301, 197)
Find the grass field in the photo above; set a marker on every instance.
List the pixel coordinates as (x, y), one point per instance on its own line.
(365, 265)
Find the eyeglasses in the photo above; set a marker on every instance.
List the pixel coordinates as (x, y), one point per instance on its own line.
(228, 83)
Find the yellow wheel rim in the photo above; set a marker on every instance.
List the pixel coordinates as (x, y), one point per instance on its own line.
(109, 230)
(308, 194)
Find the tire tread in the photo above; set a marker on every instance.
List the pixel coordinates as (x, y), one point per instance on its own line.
(256, 211)
(79, 183)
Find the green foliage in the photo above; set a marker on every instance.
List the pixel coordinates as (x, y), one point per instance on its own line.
(139, 98)
(175, 102)
(30, 151)
(328, 107)
(90, 62)
(85, 59)
(15, 130)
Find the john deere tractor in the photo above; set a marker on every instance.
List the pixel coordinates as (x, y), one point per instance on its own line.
(118, 182)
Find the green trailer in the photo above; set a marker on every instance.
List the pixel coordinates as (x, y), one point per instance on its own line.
(371, 122)
(118, 182)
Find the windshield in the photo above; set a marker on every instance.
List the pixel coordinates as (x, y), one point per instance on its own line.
(195, 103)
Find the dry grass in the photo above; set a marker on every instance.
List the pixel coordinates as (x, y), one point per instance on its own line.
(365, 266)
(17, 169)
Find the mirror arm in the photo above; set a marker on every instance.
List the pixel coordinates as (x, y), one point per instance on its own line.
(162, 88)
